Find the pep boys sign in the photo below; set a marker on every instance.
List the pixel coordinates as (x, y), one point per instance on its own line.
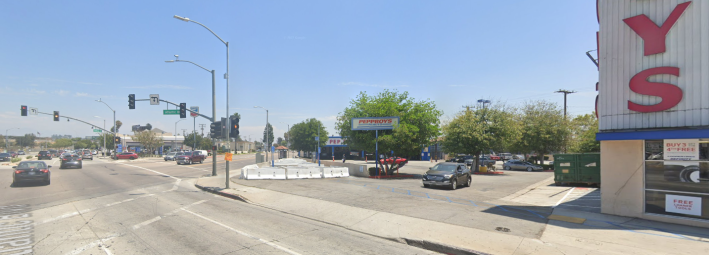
(654, 38)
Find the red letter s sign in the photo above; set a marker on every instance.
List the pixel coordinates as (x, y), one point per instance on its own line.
(671, 95)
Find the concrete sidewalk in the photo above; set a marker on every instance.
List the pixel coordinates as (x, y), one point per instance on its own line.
(566, 231)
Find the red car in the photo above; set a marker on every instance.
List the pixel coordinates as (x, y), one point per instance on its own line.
(495, 157)
(126, 155)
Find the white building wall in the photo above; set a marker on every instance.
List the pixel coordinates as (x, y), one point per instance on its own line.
(621, 57)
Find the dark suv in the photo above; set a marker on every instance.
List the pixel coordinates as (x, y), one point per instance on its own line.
(44, 155)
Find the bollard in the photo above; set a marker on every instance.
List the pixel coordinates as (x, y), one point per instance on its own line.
(333, 158)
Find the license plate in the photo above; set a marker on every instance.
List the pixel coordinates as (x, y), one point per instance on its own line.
(31, 173)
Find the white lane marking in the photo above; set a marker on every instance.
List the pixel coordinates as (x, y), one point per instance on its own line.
(147, 222)
(163, 174)
(174, 186)
(203, 170)
(93, 244)
(562, 199)
(72, 214)
(244, 234)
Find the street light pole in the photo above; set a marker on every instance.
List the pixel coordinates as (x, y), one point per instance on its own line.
(214, 115)
(226, 76)
(115, 127)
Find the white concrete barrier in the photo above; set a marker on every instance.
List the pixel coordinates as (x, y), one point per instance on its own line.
(244, 170)
(341, 171)
(327, 172)
(297, 173)
(315, 172)
(266, 173)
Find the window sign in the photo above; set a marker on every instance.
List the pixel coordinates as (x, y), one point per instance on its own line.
(683, 204)
(681, 149)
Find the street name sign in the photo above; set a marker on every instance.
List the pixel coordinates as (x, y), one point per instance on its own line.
(154, 99)
(97, 131)
(171, 112)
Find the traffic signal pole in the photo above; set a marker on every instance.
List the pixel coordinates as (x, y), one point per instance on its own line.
(214, 118)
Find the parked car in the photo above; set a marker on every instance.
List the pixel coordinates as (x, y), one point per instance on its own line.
(484, 161)
(126, 155)
(94, 152)
(54, 153)
(494, 157)
(506, 156)
(20, 152)
(204, 152)
(12, 153)
(31, 171)
(86, 154)
(447, 174)
(461, 159)
(521, 165)
(172, 156)
(191, 157)
(5, 157)
(70, 160)
(44, 155)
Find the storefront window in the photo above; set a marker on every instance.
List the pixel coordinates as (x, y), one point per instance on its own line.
(677, 177)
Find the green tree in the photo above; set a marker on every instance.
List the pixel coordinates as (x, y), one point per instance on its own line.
(304, 134)
(62, 143)
(279, 141)
(203, 143)
(109, 140)
(418, 122)
(149, 140)
(2, 141)
(479, 130)
(583, 134)
(542, 127)
(268, 134)
(118, 124)
(25, 141)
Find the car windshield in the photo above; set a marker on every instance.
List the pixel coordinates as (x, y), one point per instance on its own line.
(445, 167)
(4, 155)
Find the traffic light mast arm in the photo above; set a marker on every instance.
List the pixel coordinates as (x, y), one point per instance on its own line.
(63, 116)
(178, 105)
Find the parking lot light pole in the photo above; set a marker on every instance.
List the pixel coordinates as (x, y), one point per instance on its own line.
(226, 76)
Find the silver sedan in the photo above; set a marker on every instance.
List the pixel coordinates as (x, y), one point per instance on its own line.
(521, 165)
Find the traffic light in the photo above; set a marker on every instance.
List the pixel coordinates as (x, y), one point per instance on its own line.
(234, 129)
(56, 115)
(215, 129)
(117, 139)
(23, 110)
(131, 101)
(183, 110)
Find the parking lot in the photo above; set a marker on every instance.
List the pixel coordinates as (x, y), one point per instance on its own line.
(479, 206)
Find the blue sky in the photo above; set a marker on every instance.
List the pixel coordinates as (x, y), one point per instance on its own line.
(299, 59)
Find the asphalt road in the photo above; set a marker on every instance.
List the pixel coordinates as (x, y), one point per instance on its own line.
(152, 207)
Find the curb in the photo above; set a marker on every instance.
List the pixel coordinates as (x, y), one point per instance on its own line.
(423, 244)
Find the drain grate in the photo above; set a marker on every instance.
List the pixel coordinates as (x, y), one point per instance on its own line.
(501, 229)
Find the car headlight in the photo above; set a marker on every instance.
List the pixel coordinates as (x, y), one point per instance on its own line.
(448, 176)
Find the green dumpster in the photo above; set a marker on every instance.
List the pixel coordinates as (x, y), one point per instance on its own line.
(577, 168)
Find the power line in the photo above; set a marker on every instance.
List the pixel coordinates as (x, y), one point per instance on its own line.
(566, 92)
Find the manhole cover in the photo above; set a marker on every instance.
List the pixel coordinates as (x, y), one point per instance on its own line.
(501, 229)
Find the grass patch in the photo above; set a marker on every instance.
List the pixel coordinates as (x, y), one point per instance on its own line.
(15, 160)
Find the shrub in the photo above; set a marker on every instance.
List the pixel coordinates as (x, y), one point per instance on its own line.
(16, 160)
(28, 157)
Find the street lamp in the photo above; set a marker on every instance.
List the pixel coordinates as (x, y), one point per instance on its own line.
(267, 142)
(115, 127)
(104, 135)
(214, 98)
(226, 76)
(6, 149)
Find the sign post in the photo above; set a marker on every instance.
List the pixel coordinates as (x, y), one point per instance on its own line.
(376, 124)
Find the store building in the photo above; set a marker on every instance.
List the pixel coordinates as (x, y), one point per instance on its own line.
(653, 109)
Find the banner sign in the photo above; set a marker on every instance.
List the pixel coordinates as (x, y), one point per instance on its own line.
(335, 141)
(683, 205)
(375, 123)
(227, 156)
(681, 149)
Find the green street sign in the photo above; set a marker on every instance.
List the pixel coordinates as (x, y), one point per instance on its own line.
(97, 131)
(171, 112)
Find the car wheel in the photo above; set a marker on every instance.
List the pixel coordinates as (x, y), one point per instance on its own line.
(80, 166)
(132, 158)
(507, 168)
(189, 162)
(426, 185)
(529, 169)
(47, 182)
(454, 184)
(470, 181)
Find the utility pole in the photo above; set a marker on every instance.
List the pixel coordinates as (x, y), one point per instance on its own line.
(201, 126)
(566, 92)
